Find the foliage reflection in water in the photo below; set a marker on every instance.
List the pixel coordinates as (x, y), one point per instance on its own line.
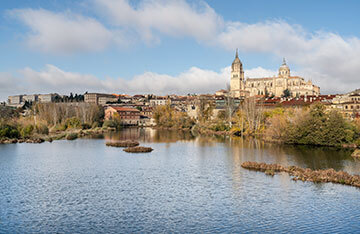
(187, 184)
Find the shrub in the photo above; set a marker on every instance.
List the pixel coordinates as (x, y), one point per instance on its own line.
(72, 123)
(95, 125)
(42, 129)
(165, 116)
(9, 131)
(27, 131)
(220, 126)
(357, 142)
(71, 136)
(109, 124)
(60, 127)
(85, 126)
(317, 127)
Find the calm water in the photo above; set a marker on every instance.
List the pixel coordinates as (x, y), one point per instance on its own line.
(186, 184)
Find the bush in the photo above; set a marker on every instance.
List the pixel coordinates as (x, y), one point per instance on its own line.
(95, 125)
(109, 124)
(72, 123)
(27, 131)
(357, 142)
(220, 126)
(165, 116)
(60, 127)
(42, 129)
(317, 127)
(85, 126)
(71, 136)
(9, 131)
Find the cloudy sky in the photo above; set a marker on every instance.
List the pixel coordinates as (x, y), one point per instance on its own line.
(158, 46)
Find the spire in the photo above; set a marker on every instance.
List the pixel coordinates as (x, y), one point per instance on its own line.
(284, 61)
(237, 55)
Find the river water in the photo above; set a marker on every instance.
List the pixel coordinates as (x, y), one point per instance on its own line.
(187, 184)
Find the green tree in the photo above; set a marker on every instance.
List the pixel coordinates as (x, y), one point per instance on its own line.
(286, 93)
(317, 127)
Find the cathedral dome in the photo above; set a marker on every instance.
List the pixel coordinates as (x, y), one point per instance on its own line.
(284, 70)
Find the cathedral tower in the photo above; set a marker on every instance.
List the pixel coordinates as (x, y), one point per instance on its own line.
(284, 70)
(237, 82)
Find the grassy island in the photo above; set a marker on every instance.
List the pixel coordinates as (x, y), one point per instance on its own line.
(298, 173)
(126, 143)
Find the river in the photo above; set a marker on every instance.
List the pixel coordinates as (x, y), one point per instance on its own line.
(187, 184)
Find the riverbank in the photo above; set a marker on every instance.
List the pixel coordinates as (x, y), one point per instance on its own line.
(70, 134)
(306, 174)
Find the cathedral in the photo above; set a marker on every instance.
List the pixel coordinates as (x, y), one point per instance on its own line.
(271, 86)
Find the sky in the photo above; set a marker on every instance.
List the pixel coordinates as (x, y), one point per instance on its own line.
(173, 46)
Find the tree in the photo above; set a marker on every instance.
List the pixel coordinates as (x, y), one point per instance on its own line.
(316, 127)
(266, 93)
(286, 93)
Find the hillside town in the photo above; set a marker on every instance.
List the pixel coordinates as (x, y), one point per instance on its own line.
(138, 109)
(282, 90)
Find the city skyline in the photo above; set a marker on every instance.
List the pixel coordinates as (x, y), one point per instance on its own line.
(173, 46)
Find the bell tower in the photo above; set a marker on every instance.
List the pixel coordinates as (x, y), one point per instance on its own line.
(237, 82)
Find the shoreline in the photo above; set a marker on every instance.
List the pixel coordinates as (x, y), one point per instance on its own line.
(58, 135)
(81, 133)
(306, 174)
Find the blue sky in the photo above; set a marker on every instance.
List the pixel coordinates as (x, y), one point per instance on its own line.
(157, 46)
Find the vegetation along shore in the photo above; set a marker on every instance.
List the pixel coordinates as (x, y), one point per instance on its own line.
(298, 173)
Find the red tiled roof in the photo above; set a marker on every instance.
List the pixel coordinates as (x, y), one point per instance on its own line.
(117, 108)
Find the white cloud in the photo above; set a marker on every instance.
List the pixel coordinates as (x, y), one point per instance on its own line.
(70, 33)
(169, 17)
(259, 72)
(64, 33)
(331, 61)
(53, 79)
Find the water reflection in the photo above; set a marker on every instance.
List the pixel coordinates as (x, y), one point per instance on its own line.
(150, 135)
(186, 185)
(248, 149)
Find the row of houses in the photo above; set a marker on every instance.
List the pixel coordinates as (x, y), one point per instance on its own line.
(138, 109)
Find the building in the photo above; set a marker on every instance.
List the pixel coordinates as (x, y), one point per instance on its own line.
(348, 104)
(19, 100)
(127, 115)
(99, 98)
(30, 98)
(221, 92)
(159, 101)
(269, 86)
(47, 98)
(15, 100)
(237, 81)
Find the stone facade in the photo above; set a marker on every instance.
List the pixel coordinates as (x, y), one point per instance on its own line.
(271, 86)
(99, 98)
